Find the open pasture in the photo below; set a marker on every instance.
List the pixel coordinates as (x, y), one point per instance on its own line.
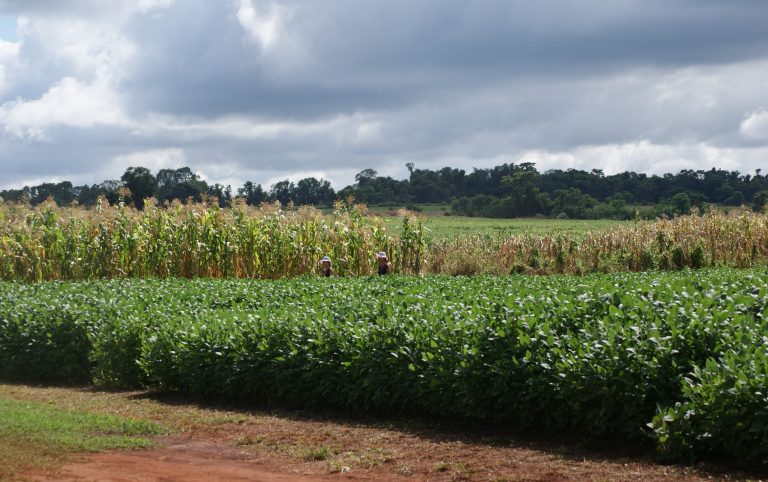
(445, 227)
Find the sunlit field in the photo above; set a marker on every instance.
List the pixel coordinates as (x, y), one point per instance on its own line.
(451, 226)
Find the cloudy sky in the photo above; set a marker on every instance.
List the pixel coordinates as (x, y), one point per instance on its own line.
(272, 89)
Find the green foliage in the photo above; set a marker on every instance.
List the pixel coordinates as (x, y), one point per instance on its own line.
(140, 183)
(725, 412)
(42, 337)
(682, 203)
(759, 200)
(601, 355)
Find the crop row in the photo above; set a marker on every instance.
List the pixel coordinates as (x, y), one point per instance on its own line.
(199, 240)
(196, 240)
(674, 358)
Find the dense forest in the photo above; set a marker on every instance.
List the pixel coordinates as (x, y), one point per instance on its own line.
(508, 190)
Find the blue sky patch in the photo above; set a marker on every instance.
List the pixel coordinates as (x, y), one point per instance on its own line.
(8, 28)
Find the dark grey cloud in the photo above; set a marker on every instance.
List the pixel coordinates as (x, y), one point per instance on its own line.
(340, 85)
(361, 56)
(201, 63)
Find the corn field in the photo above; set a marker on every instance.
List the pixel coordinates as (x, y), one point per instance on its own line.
(202, 240)
(197, 240)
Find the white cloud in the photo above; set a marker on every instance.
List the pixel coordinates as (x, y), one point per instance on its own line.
(694, 87)
(89, 55)
(368, 132)
(283, 50)
(68, 102)
(145, 6)
(79, 46)
(230, 127)
(264, 23)
(9, 54)
(343, 130)
(645, 156)
(294, 177)
(154, 159)
(756, 125)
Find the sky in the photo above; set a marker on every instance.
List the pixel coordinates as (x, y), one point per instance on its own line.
(266, 90)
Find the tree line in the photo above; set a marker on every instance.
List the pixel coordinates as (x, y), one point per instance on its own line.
(508, 190)
(138, 183)
(520, 190)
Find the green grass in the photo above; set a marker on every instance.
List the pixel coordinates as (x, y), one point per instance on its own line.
(442, 226)
(449, 226)
(426, 209)
(37, 435)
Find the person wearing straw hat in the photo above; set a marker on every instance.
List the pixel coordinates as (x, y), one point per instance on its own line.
(325, 261)
(381, 257)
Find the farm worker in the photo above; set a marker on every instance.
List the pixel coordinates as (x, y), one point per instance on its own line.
(325, 261)
(381, 257)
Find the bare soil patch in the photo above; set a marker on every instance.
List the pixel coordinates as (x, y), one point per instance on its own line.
(219, 443)
(180, 460)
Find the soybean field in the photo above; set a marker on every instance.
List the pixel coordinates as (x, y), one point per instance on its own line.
(674, 359)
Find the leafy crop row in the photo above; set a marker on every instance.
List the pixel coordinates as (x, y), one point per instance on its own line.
(676, 358)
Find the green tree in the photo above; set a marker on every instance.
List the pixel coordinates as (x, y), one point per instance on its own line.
(223, 194)
(681, 203)
(572, 203)
(181, 184)
(365, 175)
(524, 196)
(759, 200)
(735, 199)
(313, 191)
(62, 193)
(253, 194)
(282, 191)
(141, 183)
(110, 189)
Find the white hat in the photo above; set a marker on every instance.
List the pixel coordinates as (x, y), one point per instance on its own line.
(325, 258)
(381, 254)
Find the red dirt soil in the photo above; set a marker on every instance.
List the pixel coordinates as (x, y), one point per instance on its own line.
(208, 459)
(180, 460)
(212, 444)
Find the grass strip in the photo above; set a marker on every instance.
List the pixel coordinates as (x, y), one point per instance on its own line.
(36, 435)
